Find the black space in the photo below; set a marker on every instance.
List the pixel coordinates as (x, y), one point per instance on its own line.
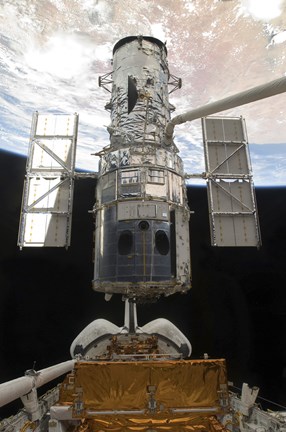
(236, 308)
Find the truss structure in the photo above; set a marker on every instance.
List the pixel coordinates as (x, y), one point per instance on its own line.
(231, 196)
(48, 188)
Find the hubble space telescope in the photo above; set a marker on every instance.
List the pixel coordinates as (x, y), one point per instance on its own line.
(136, 377)
(141, 210)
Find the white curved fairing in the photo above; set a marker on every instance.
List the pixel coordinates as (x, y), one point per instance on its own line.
(95, 330)
(168, 330)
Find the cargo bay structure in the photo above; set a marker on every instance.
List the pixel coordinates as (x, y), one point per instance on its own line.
(132, 377)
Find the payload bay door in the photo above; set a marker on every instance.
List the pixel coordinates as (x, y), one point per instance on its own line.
(48, 188)
(231, 195)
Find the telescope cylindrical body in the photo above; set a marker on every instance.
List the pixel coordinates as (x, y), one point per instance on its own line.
(142, 217)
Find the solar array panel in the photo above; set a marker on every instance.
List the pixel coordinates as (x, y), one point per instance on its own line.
(231, 196)
(48, 188)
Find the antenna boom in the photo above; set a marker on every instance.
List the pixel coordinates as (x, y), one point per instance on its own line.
(262, 91)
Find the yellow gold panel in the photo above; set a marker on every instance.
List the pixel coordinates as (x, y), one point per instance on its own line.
(109, 386)
(183, 424)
